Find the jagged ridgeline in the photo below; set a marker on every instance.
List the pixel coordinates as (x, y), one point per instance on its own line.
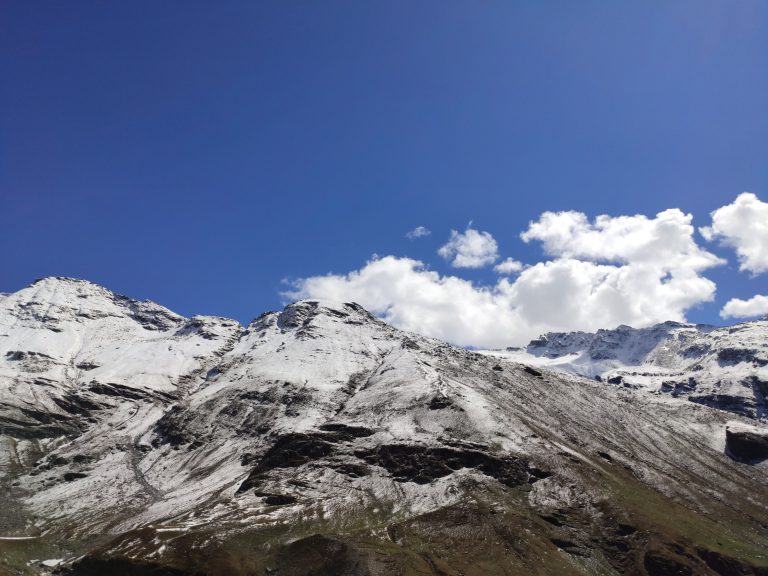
(320, 441)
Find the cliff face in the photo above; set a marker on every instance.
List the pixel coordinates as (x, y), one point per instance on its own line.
(319, 440)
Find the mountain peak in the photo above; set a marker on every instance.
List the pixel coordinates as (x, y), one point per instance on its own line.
(53, 300)
(304, 312)
(61, 280)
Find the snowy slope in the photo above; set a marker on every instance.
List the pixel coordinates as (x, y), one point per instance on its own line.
(319, 437)
(726, 368)
(64, 340)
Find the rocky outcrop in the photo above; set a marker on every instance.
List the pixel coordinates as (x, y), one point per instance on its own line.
(717, 367)
(424, 464)
(746, 443)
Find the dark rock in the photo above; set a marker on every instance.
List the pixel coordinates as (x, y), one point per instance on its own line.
(726, 402)
(409, 344)
(121, 391)
(625, 530)
(297, 315)
(199, 327)
(87, 366)
(605, 456)
(33, 431)
(77, 405)
(657, 563)
(276, 499)
(71, 476)
(552, 519)
(352, 470)
(746, 443)
(346, 431)
(422, 465)
(441, 403)
(291, 451)
(150, 317)
(537, 474)
(30, 424)
(570, 547)
(267, 397)
(695, 351)
(59, 461)
(727, 566)
(172, 429)
(43, 416)
(677, 388)
(532, 371)
(733, 356)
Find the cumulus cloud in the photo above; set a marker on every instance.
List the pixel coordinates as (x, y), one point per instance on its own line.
(666, 240)
(508, 266)
(418, 232)
(743, 225)
(737, 308)
(615, 270)
(405, 293)
(470, 249)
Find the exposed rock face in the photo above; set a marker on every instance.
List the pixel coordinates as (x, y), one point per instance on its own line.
(724, 368)
(319, 440)
(422, 465)
(747, 443)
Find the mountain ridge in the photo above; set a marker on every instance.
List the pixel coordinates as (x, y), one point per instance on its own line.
(319, 439)
(724, 367)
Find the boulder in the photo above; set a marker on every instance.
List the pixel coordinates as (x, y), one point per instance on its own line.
(746, 443)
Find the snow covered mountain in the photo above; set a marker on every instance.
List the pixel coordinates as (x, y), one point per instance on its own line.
(726, 368)
(319, 440)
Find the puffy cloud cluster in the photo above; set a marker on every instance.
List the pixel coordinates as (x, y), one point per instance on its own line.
(627, 270)
(665, 241)
(406, 294)
(743, 225)
(631, 270)
(737, 308)
(471, 249)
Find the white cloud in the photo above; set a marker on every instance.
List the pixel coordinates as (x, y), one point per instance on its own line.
(625, 270)
(472, 249)
(666, 240)
(743, 225)
(737, 308)
(509, 266)
(403, 292)
(418, 232)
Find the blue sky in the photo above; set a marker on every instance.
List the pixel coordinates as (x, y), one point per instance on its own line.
(199, 153)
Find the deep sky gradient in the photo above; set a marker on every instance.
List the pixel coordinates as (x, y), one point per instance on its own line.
(198, 153)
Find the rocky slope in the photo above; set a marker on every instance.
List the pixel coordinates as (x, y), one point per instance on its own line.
(726, 368)
(319, 440)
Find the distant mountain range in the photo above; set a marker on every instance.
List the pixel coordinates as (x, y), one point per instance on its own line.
(726, 368)
(319, 440)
